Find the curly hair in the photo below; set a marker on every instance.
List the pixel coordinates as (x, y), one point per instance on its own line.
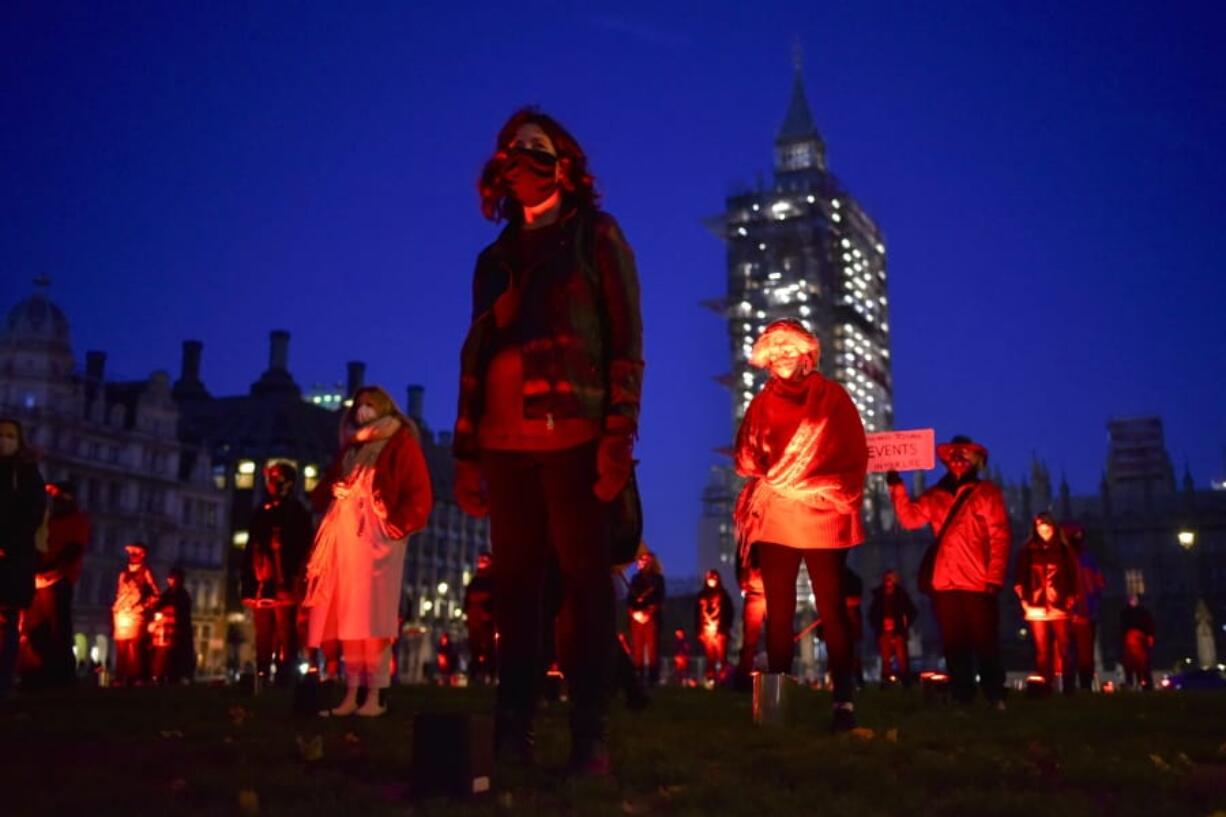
(579, 185)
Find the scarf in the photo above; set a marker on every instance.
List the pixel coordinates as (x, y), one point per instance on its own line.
(362, 448)
(788, 476)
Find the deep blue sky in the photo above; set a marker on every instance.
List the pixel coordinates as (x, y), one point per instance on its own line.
(1050, 181)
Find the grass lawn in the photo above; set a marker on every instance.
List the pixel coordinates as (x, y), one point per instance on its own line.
(218, 751)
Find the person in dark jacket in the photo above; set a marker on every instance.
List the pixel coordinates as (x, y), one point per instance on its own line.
(23, 502)
(135, 593)
(1083, 625)
(891, 613)
(479, 615)
(644, 601)
(274, 571)
(174, 653)
(46, 655)
(550, 379)
(969, 518)
(681, 658)
(1137, 631)
(802, 448)
(853, 597)
(1046, 585)
(713, 614)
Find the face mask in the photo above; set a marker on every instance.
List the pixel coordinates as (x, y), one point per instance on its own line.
(531, 175)
(364, 414)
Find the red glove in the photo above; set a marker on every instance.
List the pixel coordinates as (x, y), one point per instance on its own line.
(469, 489)
(614, 464)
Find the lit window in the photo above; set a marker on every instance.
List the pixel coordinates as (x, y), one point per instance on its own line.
(845, 243)
(835, 217)
(240, 538)
(811, 199)
(881, 248)
(804, 310)
(756, 208)
(835, 203)
(774, 276)
(244, 475)
(761, 246)
(742, 231)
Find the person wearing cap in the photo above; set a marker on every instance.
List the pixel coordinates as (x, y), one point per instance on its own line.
(479, 616)
(380, 494)
(1083, 625)
(891, 613)
(46, 628)
(969, 564)
(801, 445)
(135, 593)
(274, 571)
(23, 503)
(713, 614)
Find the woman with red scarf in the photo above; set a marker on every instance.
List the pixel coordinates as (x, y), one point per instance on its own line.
(802, 446)
(380, 494)
(550, 377)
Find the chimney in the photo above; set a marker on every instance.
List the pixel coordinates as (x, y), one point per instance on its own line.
(356, 377)
(278, 351)
(416, 397)
(95, 365)
(190, 370)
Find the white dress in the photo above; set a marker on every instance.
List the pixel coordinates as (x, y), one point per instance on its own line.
(368, 566)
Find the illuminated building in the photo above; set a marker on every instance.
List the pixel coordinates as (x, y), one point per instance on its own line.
(804, 248)
(134, 476)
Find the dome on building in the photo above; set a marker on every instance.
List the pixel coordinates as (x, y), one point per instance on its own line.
(37, 321)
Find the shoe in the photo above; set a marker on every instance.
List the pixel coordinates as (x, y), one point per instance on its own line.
(346, 707)
(843, 720)
(590, 758)
(375, 704)
(514, 738)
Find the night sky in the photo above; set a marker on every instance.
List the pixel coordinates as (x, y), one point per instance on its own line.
(1049, 181)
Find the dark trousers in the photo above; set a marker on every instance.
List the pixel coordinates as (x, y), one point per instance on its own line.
(481, 649)
(893, 649)
(645, 647)
(1136, 660)
(780, 565)
(754, 616)
(715, 648)
(970, 625)
(1050, 649)
(46, 651)
(8, 647)
(130, 661)
(276, 637)
(542, 514)
(1083, 632)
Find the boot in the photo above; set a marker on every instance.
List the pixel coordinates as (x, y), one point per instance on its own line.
(844, 718)
(375, 704)
(514, 737)
(589, 746)
(347, 706)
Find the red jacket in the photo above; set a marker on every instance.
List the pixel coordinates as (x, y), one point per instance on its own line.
(401, 483)
(821, 510)
(974, 552)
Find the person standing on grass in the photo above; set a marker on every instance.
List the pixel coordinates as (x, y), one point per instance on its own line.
(802, 448)
(644, 601)
(891, 613)
(753, 619)
(713, 614)
(380, 494)
(47, 659)
(174, 653)
(1137, 632)
(968, 563)
(479, 616)
(1046, 586)
(23, 504)
(550, 382)
(1083, 625)
(274, 571)
(136, 591)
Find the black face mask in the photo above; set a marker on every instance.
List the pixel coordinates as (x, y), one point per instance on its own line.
(531, 175)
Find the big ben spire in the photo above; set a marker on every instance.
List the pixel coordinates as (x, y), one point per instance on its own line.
(798, 146)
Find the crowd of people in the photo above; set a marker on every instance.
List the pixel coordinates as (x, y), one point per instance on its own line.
(551, 375)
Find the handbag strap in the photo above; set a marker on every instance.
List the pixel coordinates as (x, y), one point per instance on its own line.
(953, 512)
